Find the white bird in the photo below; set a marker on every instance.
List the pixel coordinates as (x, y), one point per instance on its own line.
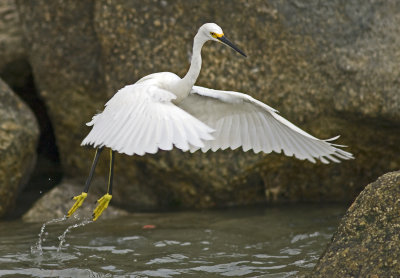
(162, 110)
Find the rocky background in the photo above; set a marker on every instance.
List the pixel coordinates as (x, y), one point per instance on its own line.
(330, 67)
(18, 138)
(366, 243)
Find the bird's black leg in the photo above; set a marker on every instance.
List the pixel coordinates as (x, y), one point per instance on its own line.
(95, 160)
(105, 200)
(80, 198)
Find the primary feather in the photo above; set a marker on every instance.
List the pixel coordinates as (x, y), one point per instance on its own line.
(240, 120)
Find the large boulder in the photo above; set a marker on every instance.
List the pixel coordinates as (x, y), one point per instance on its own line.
(366, 243)
(330, 68)
(18, 138)
(14, 68)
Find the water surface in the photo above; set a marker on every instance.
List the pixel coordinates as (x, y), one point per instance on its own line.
(279, 241)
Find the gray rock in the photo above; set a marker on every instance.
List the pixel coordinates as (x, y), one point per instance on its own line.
(329, 68)
(366, 243)
(14, 68)
(57, 202)
(18, 138)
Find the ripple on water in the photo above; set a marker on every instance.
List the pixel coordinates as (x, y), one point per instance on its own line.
(238, 268)
(173, 258)
(111, 249)
(280, 242)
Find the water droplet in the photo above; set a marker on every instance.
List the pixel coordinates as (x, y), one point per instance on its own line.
(37, 248)
(62, 237)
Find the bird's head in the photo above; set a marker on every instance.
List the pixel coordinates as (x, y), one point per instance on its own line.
(212, 31)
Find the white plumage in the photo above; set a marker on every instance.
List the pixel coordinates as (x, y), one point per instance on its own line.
(162, 110)
(141, 118)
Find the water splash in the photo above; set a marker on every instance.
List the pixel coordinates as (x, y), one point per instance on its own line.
(37, 248)
(62, 237)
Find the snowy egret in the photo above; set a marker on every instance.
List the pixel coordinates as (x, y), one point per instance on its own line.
(162, 110)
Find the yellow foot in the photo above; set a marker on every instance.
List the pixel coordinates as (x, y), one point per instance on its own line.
(102, 205)
(79, 200)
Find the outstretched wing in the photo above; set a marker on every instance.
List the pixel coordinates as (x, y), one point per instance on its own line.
(240, 120)
(141, 119)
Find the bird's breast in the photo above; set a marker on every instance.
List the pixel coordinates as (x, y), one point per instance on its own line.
(168, 81)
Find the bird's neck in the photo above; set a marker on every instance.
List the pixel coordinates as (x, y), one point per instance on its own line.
(195, 64)
(187, 82)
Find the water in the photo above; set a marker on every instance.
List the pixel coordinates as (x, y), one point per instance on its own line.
(281, 241)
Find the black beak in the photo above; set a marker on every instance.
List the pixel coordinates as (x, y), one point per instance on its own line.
(224, 40)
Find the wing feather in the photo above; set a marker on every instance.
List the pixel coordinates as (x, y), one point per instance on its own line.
(235, 139)
(244, 133)
(269, 141)
(258, 136)
(141, 118)
(240, 120)
(225, 140)
(167, 141)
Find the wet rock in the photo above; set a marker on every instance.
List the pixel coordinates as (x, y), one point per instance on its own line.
(18, 138)
(367, 240)
(57, 202)
(331, 69)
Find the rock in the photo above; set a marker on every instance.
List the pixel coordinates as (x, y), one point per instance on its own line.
(14, 68)
(366, 244)
(57, 202)
(18, 137)
(331, 69)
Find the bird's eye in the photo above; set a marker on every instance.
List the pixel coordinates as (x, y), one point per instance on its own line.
(214, 35)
